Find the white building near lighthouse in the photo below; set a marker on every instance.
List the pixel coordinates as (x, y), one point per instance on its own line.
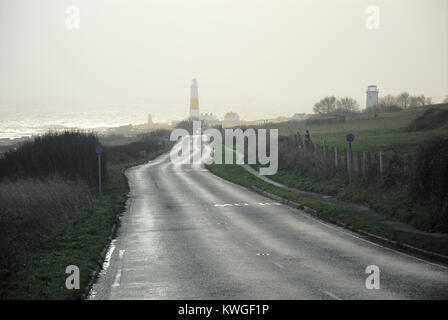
(194, 100)
(372, 96)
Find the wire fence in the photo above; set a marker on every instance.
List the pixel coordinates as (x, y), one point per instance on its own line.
(324, 161)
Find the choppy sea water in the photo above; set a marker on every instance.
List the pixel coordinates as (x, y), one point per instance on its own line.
(26, 124)
(17, 123)
(33, 117)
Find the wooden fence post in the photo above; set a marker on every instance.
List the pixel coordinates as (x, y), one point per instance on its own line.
(364, 164)
(368, 165)
(335, 157)
(324, 146)
(380, 155)
(360, 171)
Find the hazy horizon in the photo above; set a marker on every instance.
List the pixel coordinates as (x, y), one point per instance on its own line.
(258, 58)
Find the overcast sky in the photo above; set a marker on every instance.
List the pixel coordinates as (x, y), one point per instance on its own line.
(266, 57)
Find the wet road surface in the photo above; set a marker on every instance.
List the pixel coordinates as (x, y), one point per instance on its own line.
(188, 234)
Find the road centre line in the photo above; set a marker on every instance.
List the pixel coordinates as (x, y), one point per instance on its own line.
(244, 204)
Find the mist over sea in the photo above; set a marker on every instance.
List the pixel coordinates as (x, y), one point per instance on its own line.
(26, 118)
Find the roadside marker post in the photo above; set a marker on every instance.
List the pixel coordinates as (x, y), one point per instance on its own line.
(98, 151)
(350, 138)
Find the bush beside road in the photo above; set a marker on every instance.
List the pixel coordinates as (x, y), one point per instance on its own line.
(78, 239)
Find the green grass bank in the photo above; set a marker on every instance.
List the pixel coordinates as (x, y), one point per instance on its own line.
(79, 242)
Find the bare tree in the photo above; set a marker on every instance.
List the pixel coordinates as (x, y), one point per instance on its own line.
(388, 101)
(347, 104)
(417, 101)
(319, 108)
(403, 100)
(326, 105)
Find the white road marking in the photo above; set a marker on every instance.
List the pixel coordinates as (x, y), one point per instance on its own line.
(106, 262)
(279, 265)
(244, 204)
(121, 253)
(117, 279)
(341, 230)
(332, 295)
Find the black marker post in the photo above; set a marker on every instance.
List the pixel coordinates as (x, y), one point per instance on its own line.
(350, 138)
(99, 150)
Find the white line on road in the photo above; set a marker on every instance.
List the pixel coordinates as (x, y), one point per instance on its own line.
(117, 279)
(279, 265)
(332, 295)
(108, 256)
(244, 204)
(344, 231)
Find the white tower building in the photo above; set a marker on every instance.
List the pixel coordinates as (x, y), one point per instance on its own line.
(194, 100)
(372, 96)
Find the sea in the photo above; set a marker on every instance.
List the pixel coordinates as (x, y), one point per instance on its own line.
(21, 118)
(25, 119)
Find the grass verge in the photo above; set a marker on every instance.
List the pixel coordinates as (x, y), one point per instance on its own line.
(334, 213)
(394, 204)
(80, 243)
(387, 132)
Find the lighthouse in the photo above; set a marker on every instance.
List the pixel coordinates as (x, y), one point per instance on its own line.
(372, 96)
(194, 100)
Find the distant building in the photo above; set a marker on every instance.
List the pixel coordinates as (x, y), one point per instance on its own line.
(194, 100)
(372, 96)
(231, 117)
(149, 119)
(124, 129)
(208, 117)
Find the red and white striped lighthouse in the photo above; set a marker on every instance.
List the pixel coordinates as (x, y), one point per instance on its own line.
(194, 100)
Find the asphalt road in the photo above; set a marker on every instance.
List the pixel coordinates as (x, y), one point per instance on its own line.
(188, 234)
